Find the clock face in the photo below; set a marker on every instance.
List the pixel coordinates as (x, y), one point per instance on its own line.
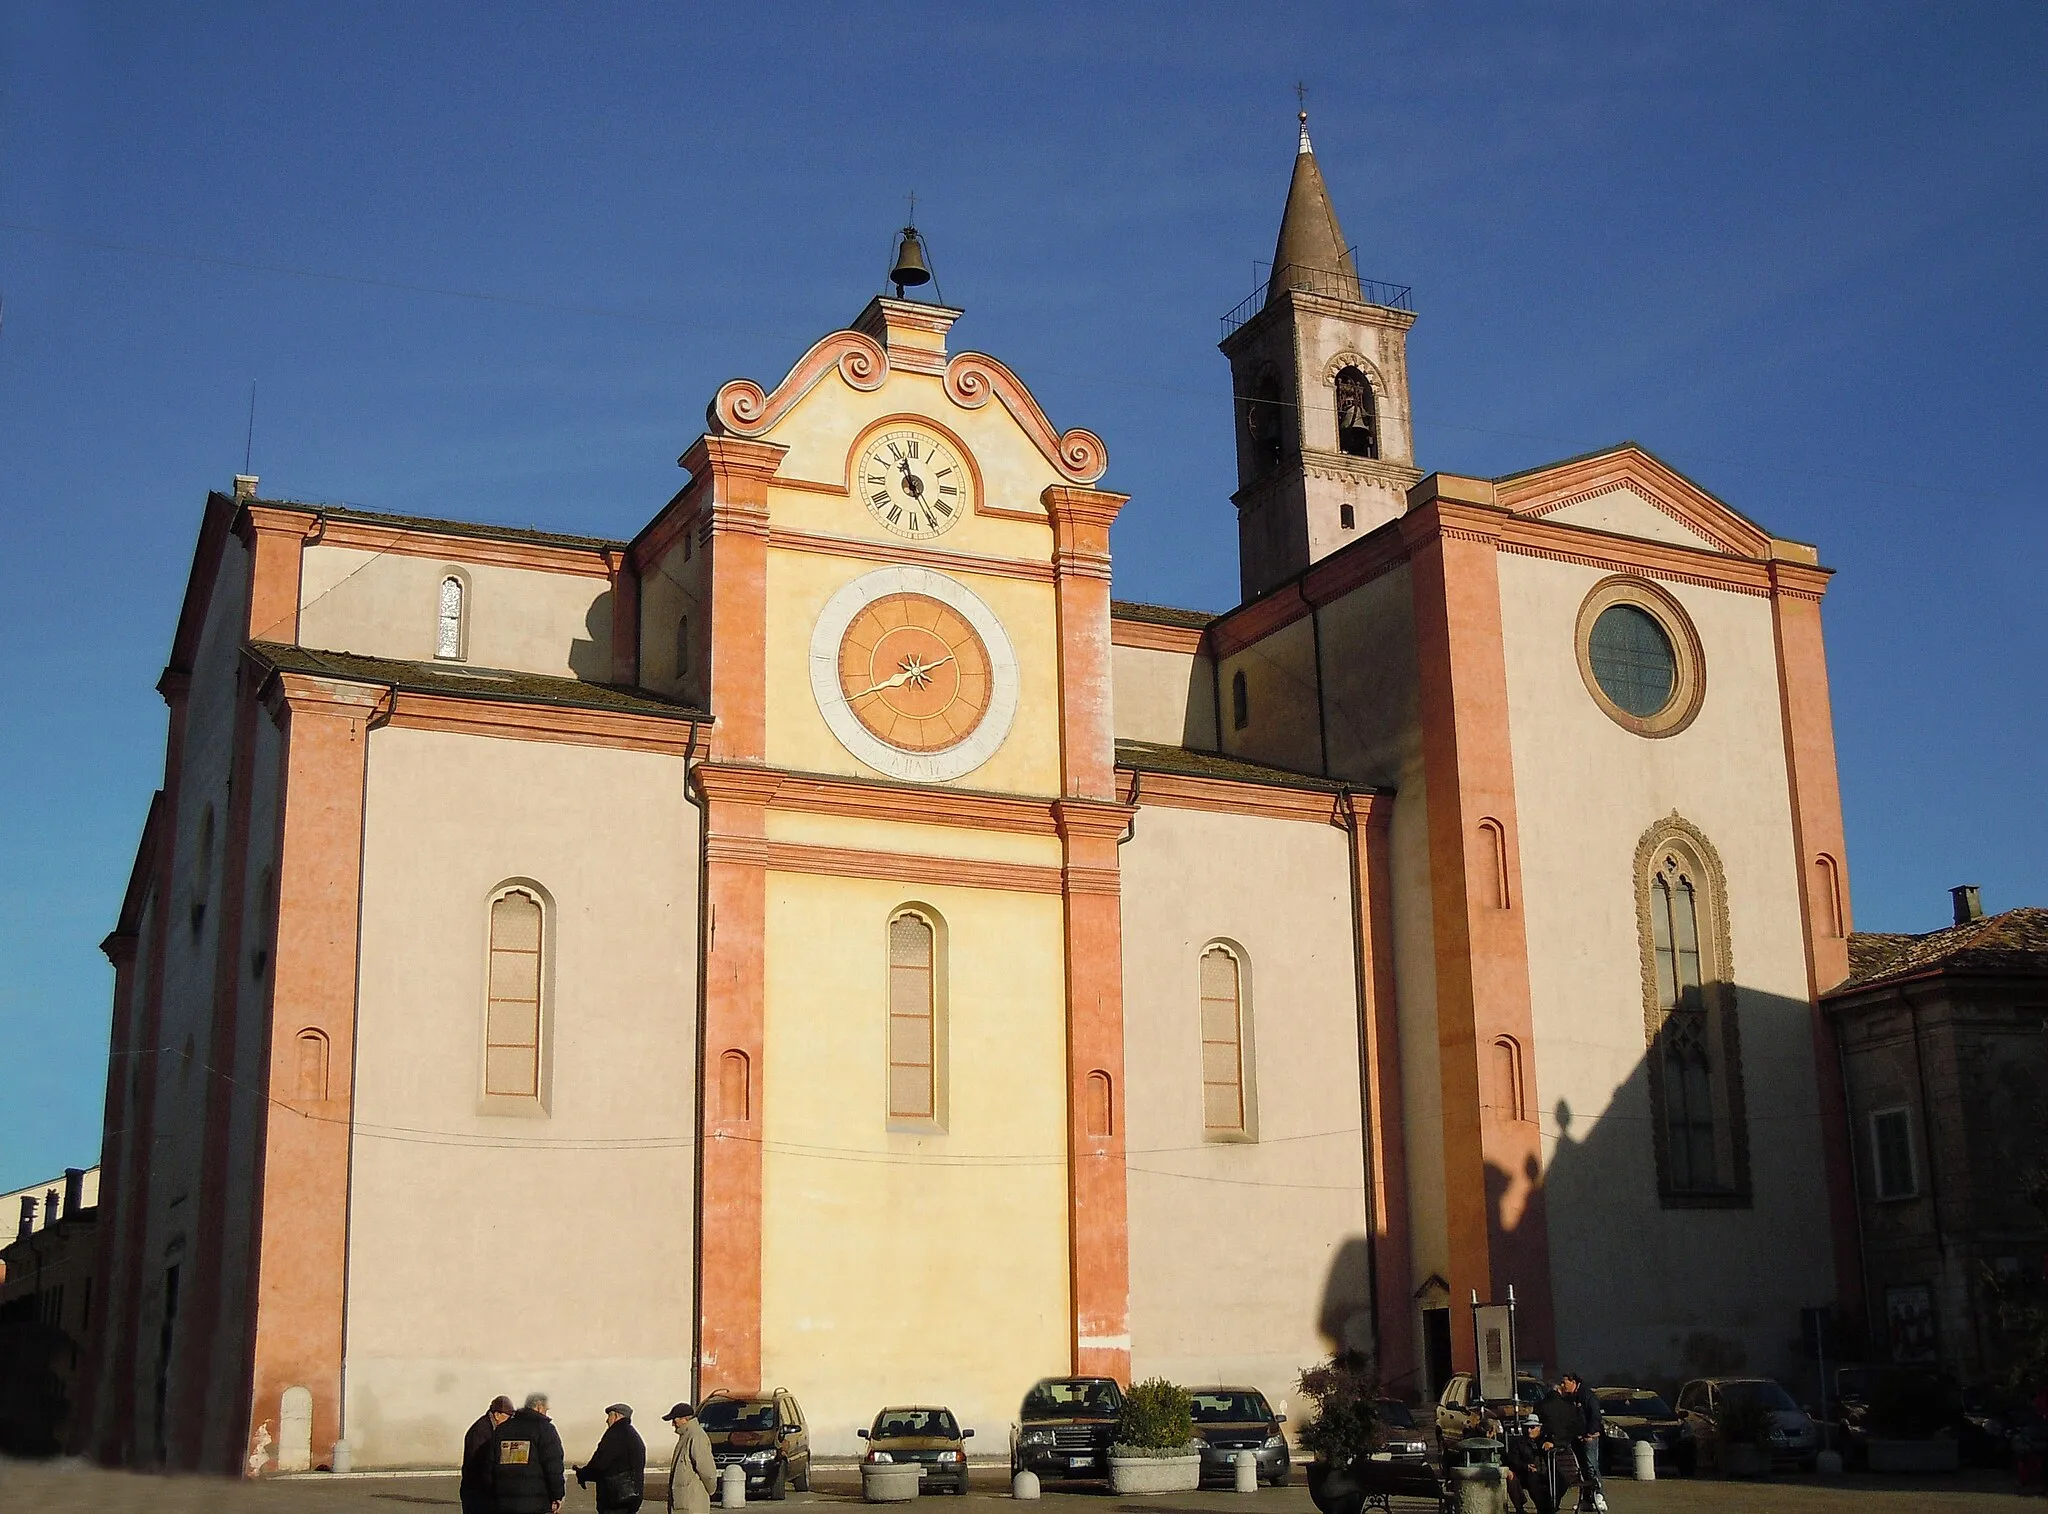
(914, 674)
(912, 483)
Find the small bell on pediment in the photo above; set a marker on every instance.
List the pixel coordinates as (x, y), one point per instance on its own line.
(911, 268)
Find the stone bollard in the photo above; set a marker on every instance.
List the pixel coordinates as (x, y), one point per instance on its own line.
(1479, 1490)
(732, 1486)
(1024, 1484)
(342, 1460)
(1646, 1461)
(1246, 1466)
(1828, 1464)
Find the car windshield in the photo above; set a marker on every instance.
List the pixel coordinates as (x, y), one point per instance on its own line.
(1530, 1391)
(1057, 1398)
(934, 1422)
(722, 1414)
(1634, 1401)
(1765, 1395)
(1393, 1412)
(1230, 1408)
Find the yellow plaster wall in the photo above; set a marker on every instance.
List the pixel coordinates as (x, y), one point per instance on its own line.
(799, 583)
(901, 1267)
(922, 840)
(1280, 683)
(387, 605)
(1164, 697)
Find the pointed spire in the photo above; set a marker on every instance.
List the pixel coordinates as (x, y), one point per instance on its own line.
(1311, 254)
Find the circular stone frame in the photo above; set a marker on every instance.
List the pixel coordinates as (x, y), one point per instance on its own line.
(1689, 662)
(973, 749)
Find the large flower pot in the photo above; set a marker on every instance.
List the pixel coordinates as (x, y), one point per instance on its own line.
(889, 1482)
(1744, 1461)
(1334, 1488)
(1943, 1455)
(1155, 1474)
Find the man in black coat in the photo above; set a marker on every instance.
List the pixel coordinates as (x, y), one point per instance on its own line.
(475, 1489)
(1528, 1476)
(619, 1464)
(1559, 1428)
(1592, 1425)
(526, 1462)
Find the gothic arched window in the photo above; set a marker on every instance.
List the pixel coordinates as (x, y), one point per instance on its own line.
(1358, 425)
(1690, 1019)
(512, 1031)
(448, 627)
(915, 1022)
(1223, 1092)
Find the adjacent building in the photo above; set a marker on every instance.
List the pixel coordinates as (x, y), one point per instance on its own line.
(1944, 1041)
(825, 941)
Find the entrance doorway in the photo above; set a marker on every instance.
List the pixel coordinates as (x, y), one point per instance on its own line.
(1436, 1348)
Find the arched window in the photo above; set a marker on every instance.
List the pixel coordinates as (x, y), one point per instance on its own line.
(312, 1068)
(1690, 1018)
(1240, 702)
(683, 647)
(512, 1037)
(1509, 1099)
(448, 627)
(735, 1088)
(1827, 878)
(913, 1018)
(1266, 419)
(1358, 426)
(1098, 1112)
(1347, 517)
(1493, 863)
(1223, 1101)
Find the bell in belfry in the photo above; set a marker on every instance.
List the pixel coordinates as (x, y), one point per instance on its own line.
(910, 269)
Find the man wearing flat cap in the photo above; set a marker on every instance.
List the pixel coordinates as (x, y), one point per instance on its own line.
(475, 1487)
(693, 1475)
(619, 1464)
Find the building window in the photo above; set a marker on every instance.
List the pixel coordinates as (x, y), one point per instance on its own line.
(1224, 1106)
(1891, 1148)
(1689, 1019)
(312, 1069)
(683, 647)
(1098, 1108)
(914, 1021)
(1508, 1101)
(512, 1037)
(1347, 517)
(1640, 656)
(1358, 429)
(1240, 702)
(735, 1088)
(448, 624)
(202, 870)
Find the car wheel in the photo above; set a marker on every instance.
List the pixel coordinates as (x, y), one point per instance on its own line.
(960, 1487)
(802, 1484)
(1688, 1466)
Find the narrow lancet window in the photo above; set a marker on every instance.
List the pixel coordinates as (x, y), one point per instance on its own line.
(448, 625)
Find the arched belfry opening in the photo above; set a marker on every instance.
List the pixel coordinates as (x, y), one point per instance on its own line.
(1358, 421)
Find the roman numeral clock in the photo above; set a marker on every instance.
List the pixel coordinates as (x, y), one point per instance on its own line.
(911, 669)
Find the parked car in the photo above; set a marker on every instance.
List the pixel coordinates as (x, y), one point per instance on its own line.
(1874, 1400)
(1399, 1460)
(1637, 1414)
(765, 1435)
(1065, 1427)
(1230, 1420)
(1459, 1411)
(1794, 1437)
(930, 1437)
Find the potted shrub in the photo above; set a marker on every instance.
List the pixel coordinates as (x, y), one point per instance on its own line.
(1742, 1435)
(1912, 1419)
(1155, 1450)
(1340, 1431)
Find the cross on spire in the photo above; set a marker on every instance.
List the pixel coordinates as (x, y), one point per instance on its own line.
(1301, 99)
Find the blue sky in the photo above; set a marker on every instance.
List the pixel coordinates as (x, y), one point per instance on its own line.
(491, 262)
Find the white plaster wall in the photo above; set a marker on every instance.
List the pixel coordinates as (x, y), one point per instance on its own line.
(1236, 1247)
(1165, 697)
(388, 605)
(1638, 1286)
(1627, 513)
(494, 1253)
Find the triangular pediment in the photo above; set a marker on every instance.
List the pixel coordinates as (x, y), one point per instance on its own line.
(1629, 492)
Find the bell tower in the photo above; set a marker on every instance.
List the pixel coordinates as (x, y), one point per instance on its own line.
(1319, 376)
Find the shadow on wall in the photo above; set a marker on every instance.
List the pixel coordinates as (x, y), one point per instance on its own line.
(1345, 1318)
(1652, 1286)
(590, 657)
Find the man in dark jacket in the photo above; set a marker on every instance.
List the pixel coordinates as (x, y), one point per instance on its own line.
(1528, 1476)
(475, 1488)
(1558, 1430)
(619, 1464)
(526, 1462)
(1592, 1425)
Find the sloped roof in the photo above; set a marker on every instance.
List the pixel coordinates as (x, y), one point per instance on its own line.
(459, 527)
(1152, 757)
(1310, 239)
(1159, 615)
(2013, 942)
(461, 681)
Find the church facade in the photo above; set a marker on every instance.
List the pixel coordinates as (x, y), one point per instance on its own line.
(827, 942)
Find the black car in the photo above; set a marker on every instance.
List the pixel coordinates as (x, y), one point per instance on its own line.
(1065, 1427)
(1230, 1420)
(925, 1435)
(1634, 1414)
(1398, 1462)
(765, 1435)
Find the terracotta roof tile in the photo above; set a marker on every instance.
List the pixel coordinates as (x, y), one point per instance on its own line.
(463, 681)
(1151, 757)
(1159, 615)
(2013, 942)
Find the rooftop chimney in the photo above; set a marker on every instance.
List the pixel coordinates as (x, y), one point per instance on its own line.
(28, 1218)
(245, 486)
(52, 1211)
(74, 1189)
(1968, 905)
